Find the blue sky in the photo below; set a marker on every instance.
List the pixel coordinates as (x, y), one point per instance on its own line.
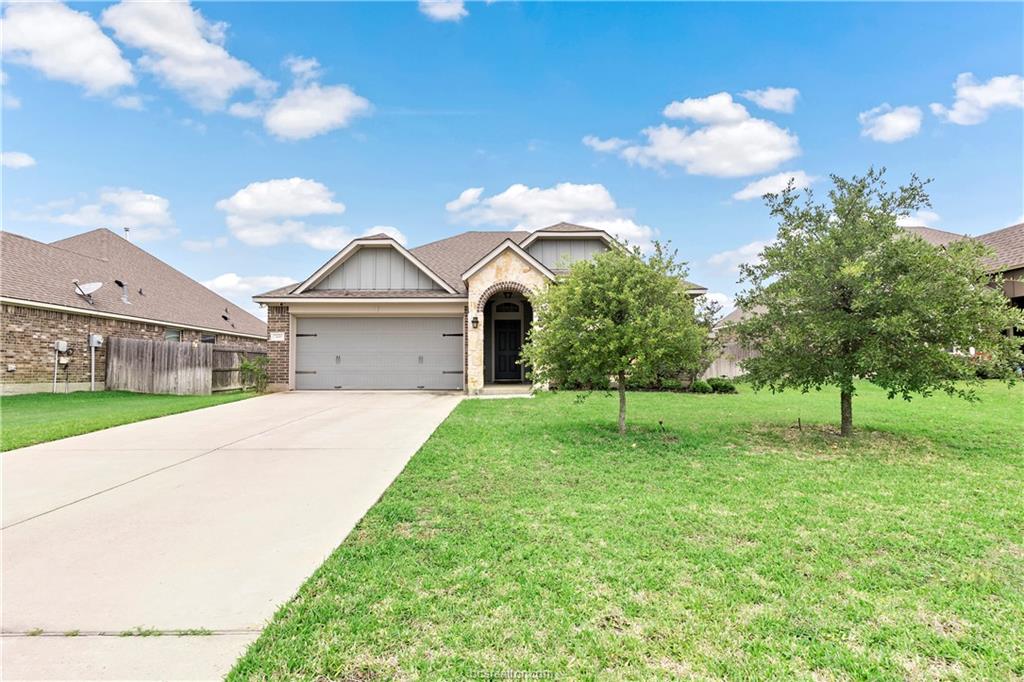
(246, 142)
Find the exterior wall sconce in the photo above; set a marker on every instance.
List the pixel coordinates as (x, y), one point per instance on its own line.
(475, 322)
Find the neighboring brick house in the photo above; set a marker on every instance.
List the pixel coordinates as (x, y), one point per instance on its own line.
(140, 297)
(1006, 261)
(451, 314)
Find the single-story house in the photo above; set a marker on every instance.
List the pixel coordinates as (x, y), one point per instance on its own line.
(1006, 261)
(452, 314)
(49, 294)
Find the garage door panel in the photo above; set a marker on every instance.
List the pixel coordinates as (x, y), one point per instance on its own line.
(368, 353)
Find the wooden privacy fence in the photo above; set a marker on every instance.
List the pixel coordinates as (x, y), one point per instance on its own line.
(179, 368)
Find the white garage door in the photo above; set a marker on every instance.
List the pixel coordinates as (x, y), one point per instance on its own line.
(378, 352)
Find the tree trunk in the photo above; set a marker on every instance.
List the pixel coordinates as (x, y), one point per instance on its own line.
(622, 403)
(846, 412)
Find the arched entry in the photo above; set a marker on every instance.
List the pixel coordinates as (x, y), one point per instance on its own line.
(505, 313)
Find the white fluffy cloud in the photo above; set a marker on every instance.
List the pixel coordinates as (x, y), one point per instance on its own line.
(16, 160)
(184, 50)
(729, 143)
(888, 124)
(63, 45)
(973, 100)
(311, 109)
(148, 215)
(612, 144)
(773, 184)
(925, 218)
(274, 212)
(773, 99)
(530, 208)
(204, 245)
(728, 262)
(231, 284)
(718, 108)
(444, 10)
(720, 150)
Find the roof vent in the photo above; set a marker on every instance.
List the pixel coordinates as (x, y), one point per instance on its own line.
(124, 291)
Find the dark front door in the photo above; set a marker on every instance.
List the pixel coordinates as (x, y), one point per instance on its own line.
(507, 343)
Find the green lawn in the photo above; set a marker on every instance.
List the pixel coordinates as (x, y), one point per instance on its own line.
(527, 536)
(41, 417)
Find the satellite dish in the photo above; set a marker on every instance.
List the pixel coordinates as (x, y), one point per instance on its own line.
(88, 288)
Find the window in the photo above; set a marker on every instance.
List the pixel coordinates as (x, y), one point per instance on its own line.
(506, 308)
(172, 335)
(208, 338)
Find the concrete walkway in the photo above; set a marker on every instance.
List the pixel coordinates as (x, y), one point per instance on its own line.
(203, 521)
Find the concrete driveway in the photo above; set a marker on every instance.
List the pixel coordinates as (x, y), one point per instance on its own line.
(204, 521)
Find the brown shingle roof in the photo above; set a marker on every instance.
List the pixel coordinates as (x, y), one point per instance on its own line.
(568, 227)
(933, 236)
(43, 273)
(1008, 244)
(451, 257)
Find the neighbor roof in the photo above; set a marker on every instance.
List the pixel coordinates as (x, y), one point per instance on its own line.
(1008, 244)
(933, 236)
(44, 273)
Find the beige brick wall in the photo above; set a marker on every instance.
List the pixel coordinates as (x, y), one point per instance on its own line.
(28, 334)
(278, 319)
(508, 267)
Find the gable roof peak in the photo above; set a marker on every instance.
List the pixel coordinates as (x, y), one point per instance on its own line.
(567, 227)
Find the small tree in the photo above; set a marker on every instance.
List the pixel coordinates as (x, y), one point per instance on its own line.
(705, 313)
(617, 315)
(843, 294)
(254, 372)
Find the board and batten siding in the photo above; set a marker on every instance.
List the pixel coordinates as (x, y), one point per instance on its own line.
(559, 254)
(377, 268)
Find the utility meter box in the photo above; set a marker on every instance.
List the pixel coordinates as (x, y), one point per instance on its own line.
(95, 340)
(60, 346)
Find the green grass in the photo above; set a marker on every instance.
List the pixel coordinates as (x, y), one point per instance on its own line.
(726, 544)
(42, 417)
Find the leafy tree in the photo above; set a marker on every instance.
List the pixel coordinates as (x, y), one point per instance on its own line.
(706, 313)
(843, 293)
(617, 315)
(254, 372)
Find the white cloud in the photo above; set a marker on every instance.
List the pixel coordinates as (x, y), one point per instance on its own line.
(204, 245)
(148, 215)
(304, 69)
(246, 109)
(730, 150)
(309, 110)
(887, 124)
(9, 100)
(272, 212)
(727, 302)
(974, 100)
(444, 10)
(231, 284)
(612, 144)
(467, 198)
(773, 184)
(133, 102)
(63, 45)
(530, 208)
(718, 108)
(185, 51)
(730, 142)
(925, 218)
(16, 160)
(728, 262)
(774, 99)
(240, 289)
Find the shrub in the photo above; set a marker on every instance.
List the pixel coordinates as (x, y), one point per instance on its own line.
(700, 386)
(671, 384)
(721, 385)
(254, 372)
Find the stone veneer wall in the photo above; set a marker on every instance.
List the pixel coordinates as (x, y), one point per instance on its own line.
(26, 346)
(278, 320)
(508, 267)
